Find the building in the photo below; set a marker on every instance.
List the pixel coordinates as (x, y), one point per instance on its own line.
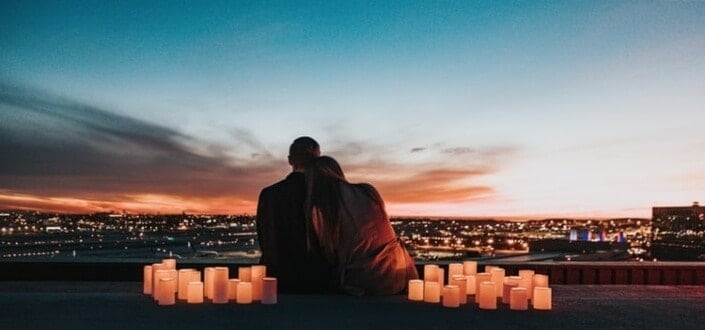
(678, 232)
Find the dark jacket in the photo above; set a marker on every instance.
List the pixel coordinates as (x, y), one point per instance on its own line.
(281, 230)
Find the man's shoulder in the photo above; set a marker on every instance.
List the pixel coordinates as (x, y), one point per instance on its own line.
(292, 180)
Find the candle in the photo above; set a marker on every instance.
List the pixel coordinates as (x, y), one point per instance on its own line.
(167, 291)
(169, 263)
(244, 274)
(489, 268)
(184, 277)
(542, 298)
(479, 278)
(269, 290)
(498, 279)
(518, 299)
(461, 282)
(507, 287)
(470, 267)
(220, 285)
(527, 281)
(470, 284)
(195, 276)
(208, 282)
(244, 292)
(232, 288)
(155, 268)
(488, 295)
(162, 273)
(258, 273)
(541, 280)
(451, 296)
(416, 290)
(147, 280)
(432, 292)
(430, 273)
(195, 292)
(441, 277)
(454, 269)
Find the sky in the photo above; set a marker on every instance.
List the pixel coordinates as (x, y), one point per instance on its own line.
(512, 109)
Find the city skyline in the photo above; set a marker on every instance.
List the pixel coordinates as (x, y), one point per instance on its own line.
(462, 109)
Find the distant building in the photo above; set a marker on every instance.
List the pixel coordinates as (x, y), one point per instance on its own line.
(678, 232)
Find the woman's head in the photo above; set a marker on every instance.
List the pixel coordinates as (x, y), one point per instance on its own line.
(325, 168)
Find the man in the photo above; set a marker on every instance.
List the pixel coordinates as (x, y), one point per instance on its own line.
(281, 226)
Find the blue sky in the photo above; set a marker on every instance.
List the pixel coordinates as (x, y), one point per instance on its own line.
(486, 108)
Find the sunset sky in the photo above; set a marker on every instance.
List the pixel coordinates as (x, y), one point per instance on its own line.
(488, 108)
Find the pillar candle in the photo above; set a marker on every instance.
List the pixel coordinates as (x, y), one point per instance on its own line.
(479, 278)
(195, 292)
(454, 269)
(258, 273)
(527, 281)
(507, 287)
(208, 282)
(518, 299)
(416, 290)
(461, 282)
(542, 298)
(232, 288)
(470, 267)
(269, 290)
(244, 274)
(488, 295)
(155, 268)
(432, 292)
(147, 280)
(441, 278)
(169, 263)
(498, 279)
(430, 273)
(470, 283)
(195, 276)
(451, 295)
(244, 292)
(541, 280)
(162, 273)
(167, 291)
(184, 277)
(489, 268)
(220, 285)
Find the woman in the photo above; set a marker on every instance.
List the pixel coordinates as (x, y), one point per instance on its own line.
(354, 233)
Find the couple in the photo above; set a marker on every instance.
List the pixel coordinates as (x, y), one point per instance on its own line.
(320, 233)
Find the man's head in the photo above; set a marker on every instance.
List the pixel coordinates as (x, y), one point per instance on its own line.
(302, 151)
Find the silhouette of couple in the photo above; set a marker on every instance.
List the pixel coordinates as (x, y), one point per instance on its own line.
(320, 233)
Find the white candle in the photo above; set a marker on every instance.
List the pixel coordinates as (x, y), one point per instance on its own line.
(195, 292)
(470, 283)
(542, 298)
(432, 292)
(167, 291)
(244, 274)
(479, 278)
(416, 290)
(507, 287)
(220, 285)
(488, 295)
(155, 268)
(147, 280)
(232, 288)
(461, 282)
(195, 276)
(498, 280)
(451, 295)
(258, 274)
(454, 269)
(489, 268)
(184, 277)
(470, 267)
(527, 281)
(518, 299)
(244, 293)
(540, 280)
(269, 290)
(169, 263)
(208, 282)
(160, 274)
(430, 273)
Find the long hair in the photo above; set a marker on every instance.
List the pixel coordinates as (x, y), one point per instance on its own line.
(323, 179)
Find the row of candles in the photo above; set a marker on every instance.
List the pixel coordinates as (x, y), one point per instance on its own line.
(464, 282)
(166, 284)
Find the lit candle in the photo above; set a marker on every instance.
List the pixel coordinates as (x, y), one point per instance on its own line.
(258, 273)
(195, 292)
(184, 278)
(451, 296)
(169, 263)
(208, 282)
(479, 278)
(244, 274)
(147, 280)
(430, 273)
(244, 292)
(518, 299)
(432, 292)
(541, 280)
(498, 280)
(416, 290)
(489, 268)
(195, 276)
(167, 291)
(269, 290)
(488, 295)
(527, 281)
(220, 285)
(232, 288)
(155, 268)
(470, 284)
(454, 269)
(470, 267)
(507, 287)
(542, 298)
(160, 274)
(461, 282)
